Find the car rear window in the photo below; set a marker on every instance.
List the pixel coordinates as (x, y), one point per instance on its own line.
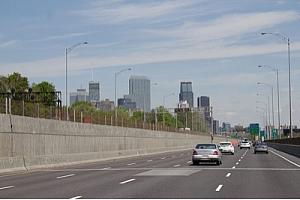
(225, 144)
(206, 146)
(245, 142)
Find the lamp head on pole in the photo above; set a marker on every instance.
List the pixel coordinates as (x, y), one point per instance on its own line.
(258, 83)
(85, 43)
(263, 33)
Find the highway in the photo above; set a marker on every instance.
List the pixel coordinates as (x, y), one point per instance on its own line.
(167, 175)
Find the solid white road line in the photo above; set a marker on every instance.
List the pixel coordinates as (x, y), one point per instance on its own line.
(65, 176)
(77, 197)
(227, 175)
(285, 158)
(233, 167)
(176, 165)
(219, 188)
(127, 181)
(131, 164)
(6, 187)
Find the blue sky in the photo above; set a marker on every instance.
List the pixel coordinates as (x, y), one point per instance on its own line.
(214, 44)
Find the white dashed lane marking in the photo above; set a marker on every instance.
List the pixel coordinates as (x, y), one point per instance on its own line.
(65, 176)
(233, 167)
(189, 162)
(219, 188)
(131, 164)
(130, 180)
(227, 175)
(6, 187)
(176, 165)
(77, 197)
(163, 158)
(149, 160)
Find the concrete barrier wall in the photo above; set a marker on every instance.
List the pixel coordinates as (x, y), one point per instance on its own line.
(35, 143)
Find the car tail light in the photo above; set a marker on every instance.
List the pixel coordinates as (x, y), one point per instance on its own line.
(215, 153)
(195, 152)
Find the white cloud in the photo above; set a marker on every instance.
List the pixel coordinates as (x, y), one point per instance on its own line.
(228, 26)
(64, 36)
(8, 43)
(117, 11)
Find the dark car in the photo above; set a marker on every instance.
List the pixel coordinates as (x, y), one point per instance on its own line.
(261, 147)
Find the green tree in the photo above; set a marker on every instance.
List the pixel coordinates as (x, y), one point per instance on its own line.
(17, 83)
(45, 92)
(3, 84)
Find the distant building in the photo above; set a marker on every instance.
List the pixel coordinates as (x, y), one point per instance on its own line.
(106, 105)
(203, 101)
(80, 95)
(186, 93)
(139, 92)
(126, 103)
(94, 91)
(226, 127)
(216, 127)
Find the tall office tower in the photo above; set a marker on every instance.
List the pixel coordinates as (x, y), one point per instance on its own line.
(80, 95)
(139, 92)
(186, 93)
(203, 101)
(216, 126)
(94, 91)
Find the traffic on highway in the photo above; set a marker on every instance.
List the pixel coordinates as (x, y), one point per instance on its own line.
(166, 175)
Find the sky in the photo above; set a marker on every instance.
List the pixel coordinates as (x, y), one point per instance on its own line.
(215, 44)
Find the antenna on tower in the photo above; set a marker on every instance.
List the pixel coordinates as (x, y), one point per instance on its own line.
(92, 74)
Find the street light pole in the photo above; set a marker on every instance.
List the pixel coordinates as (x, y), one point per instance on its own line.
(164, 99)
(116, 105)
(68, 50)
(287, 40)
(271, 87)
(278, 95)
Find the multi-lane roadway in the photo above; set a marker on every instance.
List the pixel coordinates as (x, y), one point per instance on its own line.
(168, 175)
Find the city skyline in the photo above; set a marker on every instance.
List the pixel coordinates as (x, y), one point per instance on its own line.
(216, 45)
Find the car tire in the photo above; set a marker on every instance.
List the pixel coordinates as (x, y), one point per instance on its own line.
(267, 152)
(218, 163)
(232, 153)
(254, 152)
(195, 162)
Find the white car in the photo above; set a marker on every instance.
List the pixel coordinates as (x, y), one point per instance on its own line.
(245, 144)
(226, 147)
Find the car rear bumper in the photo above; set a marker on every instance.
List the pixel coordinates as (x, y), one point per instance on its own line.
(206, 158)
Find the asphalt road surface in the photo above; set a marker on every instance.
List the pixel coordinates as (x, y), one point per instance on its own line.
(168, 175)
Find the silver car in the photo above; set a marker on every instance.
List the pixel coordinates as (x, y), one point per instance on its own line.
(206, 153)
(261, 147)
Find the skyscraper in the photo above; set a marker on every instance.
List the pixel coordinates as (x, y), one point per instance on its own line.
(203, 101)
(186, 93)
(80, 95)
(94, 91)
(139, 92)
